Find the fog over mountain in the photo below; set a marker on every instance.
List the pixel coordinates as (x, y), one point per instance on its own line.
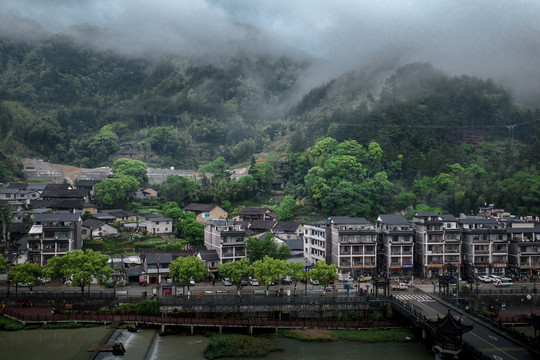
(485, 38)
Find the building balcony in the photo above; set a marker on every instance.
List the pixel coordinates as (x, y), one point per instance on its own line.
(481, 252)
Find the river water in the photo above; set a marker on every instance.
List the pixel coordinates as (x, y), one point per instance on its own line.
(144, 345)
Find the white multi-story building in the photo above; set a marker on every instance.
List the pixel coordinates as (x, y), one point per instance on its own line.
(54, 235)
(314, 244)
(227, 238)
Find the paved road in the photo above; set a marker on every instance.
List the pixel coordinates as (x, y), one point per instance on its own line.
(481, 337)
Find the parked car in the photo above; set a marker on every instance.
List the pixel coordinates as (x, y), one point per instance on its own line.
(253, 281)
(226, 282)
(363, 278)
(244, 282)
(314, 282)
(485, 278)
(286, 280)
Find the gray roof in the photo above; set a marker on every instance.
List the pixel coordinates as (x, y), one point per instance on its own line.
(222, 222)
(448, 217)
(426, 213)
(198, 208)
(290, 226)
(9, 191)
(92, 223)
(36, 186)
(151, 215)
(104, 216)
(16, 185)
(209, 255)
(253, 211)
(395, 219)
(57, 217)
(345, 220)
(152, 258)
(479, 221)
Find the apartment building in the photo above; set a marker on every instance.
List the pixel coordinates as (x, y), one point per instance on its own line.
(227, 238)
(53, 235)
(524, 248)
(353, 245)
(484, 247)
(437, 243)
(314, 244)
(395, 243)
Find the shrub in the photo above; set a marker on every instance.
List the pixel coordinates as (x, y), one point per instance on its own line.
(10, 325)
(234, 345)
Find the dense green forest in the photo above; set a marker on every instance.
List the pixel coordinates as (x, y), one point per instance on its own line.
(345, 147)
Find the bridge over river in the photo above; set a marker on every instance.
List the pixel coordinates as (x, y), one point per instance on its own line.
(485, 341)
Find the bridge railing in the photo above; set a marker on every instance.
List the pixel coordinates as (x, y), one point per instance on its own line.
(173, 319)
(57, 295)
(265, 300)
(497, 323)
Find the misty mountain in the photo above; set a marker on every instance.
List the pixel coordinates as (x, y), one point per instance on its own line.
(60, 93)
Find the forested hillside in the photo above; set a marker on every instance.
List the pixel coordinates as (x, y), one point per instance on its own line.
(352, 146)
(73, 105)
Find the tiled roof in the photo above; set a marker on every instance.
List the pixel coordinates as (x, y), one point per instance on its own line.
(198, 208)
(393, 219)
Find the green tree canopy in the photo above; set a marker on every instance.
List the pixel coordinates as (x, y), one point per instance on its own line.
(190, 229)
(216, 168)
(3, 264)
(103, 144)
(81, 267)
(179, 189)
(267, 246)
(297, 272)
(182, 269)
(130, 167)
(323, 273)
(116, 192)
(269, 271)
(287, 208)
(263, 173)
(236, 271)
(27, 273)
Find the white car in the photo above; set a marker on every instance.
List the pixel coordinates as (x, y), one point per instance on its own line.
(485, 278)
(226, 282)
(253, 281)
(314, 282)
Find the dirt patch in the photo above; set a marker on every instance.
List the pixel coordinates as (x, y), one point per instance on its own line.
(313, 334)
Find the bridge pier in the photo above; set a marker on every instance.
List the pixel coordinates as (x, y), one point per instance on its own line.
(250, 330)
(192, 328)
(220, 329)
(424, 334)
(162, 331)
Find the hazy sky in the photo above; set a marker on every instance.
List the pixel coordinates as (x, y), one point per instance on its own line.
(487, 38)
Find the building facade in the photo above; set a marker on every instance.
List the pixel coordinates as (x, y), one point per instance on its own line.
(524, 249)
(437, 243)
(53, 235)
(314, 244)
(353, 245)
(395, 241)
(227, 238)
(484, 247)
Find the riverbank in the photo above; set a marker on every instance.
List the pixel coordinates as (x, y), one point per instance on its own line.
(364, 336)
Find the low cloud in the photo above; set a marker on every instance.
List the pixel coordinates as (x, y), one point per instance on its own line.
(484, 38)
